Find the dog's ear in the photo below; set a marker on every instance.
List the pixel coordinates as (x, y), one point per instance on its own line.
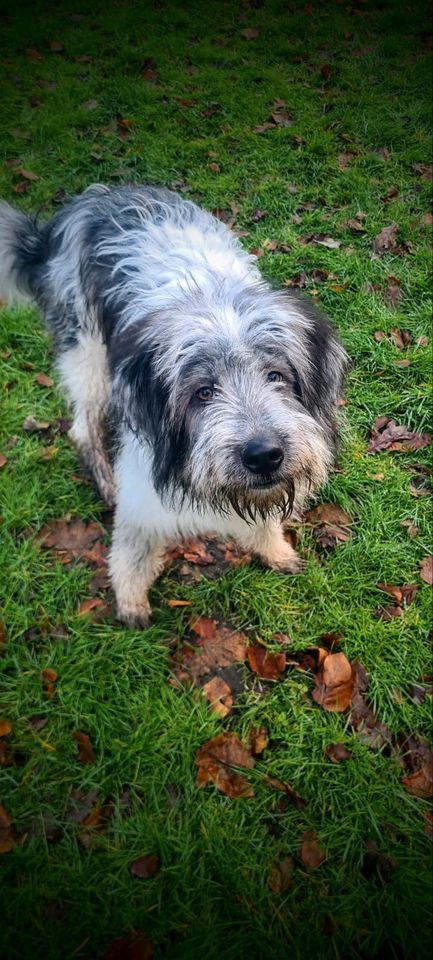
(140, 399)
(321, 377)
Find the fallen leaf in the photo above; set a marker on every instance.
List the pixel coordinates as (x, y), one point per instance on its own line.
(86, 753)
(266, 664)
(5, 728)
(321, 239)
(195, 552)
(30, 425)
(287, 789)
(262, 127)
(370, 731)
(420, 486)
(344, 159)
(216, 761)
(43, 380)
(330, 524)
(387, 435)
(68, 538)
(56, 46)
(386, 240)
(311, 854)
(427, 219)
(250, 33)
(393, 296)
(404, 594)
(334, 683)
(328, 513)
(258, 739)
(3, 461)
(215, 648)
(93, 603)
(150, 73)
(89, 105)
(133, 947)
(7, 834)
(376, 865)
(336, 752)
(219, 695)
(387, 612)
(33, 54)
(178, 603)
(426, 570)
(203, 627)
(145, 867)
(280, 875)
(425, 170)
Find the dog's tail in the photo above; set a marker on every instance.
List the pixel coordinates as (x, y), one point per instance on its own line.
(21, 253)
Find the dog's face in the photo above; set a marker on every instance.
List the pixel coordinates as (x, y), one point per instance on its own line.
(237, 402)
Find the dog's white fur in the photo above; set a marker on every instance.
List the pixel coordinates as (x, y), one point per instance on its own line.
(148, 297)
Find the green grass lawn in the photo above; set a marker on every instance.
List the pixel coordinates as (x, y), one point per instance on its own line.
(160, 92)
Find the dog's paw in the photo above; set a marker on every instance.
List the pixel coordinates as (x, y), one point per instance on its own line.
(134, 616)
(289, 563)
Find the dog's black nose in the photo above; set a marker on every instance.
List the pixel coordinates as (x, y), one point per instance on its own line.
(262, 456)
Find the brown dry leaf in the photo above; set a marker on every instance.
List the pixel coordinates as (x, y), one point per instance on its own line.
(328, 513)
(387, 612)
(21, 187)
(258, 740)
(7, 834)
(336, 752)
(393, 296)
(145, 867)
(321, 239)
(204, 627)
(266, 664)
(219, 695)
(5, 728)
(195, 551)
(30, 425)
(344, 159)
(427, 219)
(362, 718)
(86, 753)
(387, 435)
(33, 54)
(425, 170)
(404, 594)
(334, 683)
(420, 486)
(216, 761)
(56, 46)
(385, 240)
(418, 757)
(27, 174)
(311, 854)
(178, 603)
(3, 461)
(89, 105)
(262, 127)
(330, 524)
(95, 608)
(69, 537)
(311, 658)
(224, 647)
(250, 33)
(426, 570)
(150, 73)
(44, 380)
(280, 875)
(287, 789)
(133, 947)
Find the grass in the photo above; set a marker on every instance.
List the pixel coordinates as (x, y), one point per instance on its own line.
(211, 896)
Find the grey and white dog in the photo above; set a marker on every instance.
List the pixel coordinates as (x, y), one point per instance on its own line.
(223, 389)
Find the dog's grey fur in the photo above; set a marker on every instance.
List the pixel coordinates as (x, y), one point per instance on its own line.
(150, 301)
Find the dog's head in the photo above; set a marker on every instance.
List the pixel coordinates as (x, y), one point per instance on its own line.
(236, 398)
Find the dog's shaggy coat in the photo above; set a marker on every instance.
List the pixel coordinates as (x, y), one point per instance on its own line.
(222, 389)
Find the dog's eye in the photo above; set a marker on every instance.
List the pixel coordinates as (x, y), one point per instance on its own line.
(204, 394)
(275, 376)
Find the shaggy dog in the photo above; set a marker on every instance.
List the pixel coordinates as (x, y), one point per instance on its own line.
(222, 388)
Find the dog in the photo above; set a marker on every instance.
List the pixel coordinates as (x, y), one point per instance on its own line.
(222, 389)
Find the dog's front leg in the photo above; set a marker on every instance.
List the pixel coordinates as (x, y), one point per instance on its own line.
(267, 541)
(136, 559)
